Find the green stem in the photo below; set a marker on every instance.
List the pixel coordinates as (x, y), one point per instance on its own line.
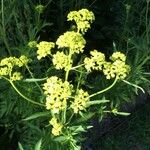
(134, 85)
(69, 120)
(29, 100)
(34, 78)
(144, 61)
(67, 72)
(3, 28)
(146, 19)
(79, 81)
(48, 3)
(106, 89)
(77, 67)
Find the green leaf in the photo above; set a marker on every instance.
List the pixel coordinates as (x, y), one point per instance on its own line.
(85, 117)
(123, 113)
(77, 129)
(34, 80)
(36, 115)
(38, 145)
(60, 139)
(20, 146)
(95, 102)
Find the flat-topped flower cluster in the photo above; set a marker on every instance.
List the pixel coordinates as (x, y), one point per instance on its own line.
(8, 64)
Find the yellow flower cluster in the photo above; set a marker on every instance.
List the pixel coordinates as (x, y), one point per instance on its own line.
(57, 92)
(83, 18)
(16, 76)
(32, 44)
(72, 40)
(95, 62)
(23, 60)
(57, 127)
(7, 65)
(44, 49)
(80, 101)
(60, 61)
(117, 68)
(118, 56)
(39, 8)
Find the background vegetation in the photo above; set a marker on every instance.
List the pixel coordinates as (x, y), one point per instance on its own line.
(120, 25)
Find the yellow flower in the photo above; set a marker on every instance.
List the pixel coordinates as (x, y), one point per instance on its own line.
(118, 56)
(72, 40)
(57, 92)
(4, 71)
(60, 61)
(7, 65)
(57, 127)
(32, 44)
(53, 121)
(95, 62)
(10, 62)
(16, 76)
(44, 49)
(117, 68)
(23, 60)
(83, 19)
(39, 8)
(80, 101)
(55, 105)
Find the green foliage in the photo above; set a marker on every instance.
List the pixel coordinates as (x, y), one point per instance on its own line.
(119, 25)
(129, 134)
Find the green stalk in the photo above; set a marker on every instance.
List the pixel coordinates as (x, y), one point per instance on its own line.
(34, 78)
(66, 78)
(146, 20)
(144, 61)
(4, 30)
(106, 89)
(134, 85)
(77, 66)
(23, 96)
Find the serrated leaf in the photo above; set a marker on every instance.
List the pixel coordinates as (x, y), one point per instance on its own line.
(38, 145)
(36, 115)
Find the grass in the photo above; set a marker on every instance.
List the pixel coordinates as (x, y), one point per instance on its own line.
(133, 134)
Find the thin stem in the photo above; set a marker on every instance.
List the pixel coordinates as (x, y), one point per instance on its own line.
(134, 85)
(144, 61)
(23, 96)
(34, 78)
(66, 78)
(3, 28)
(77, 67)
(48, 3)
(67, 72)
(79, 81)
(106, 89)
(146, 19)
(69, 120)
